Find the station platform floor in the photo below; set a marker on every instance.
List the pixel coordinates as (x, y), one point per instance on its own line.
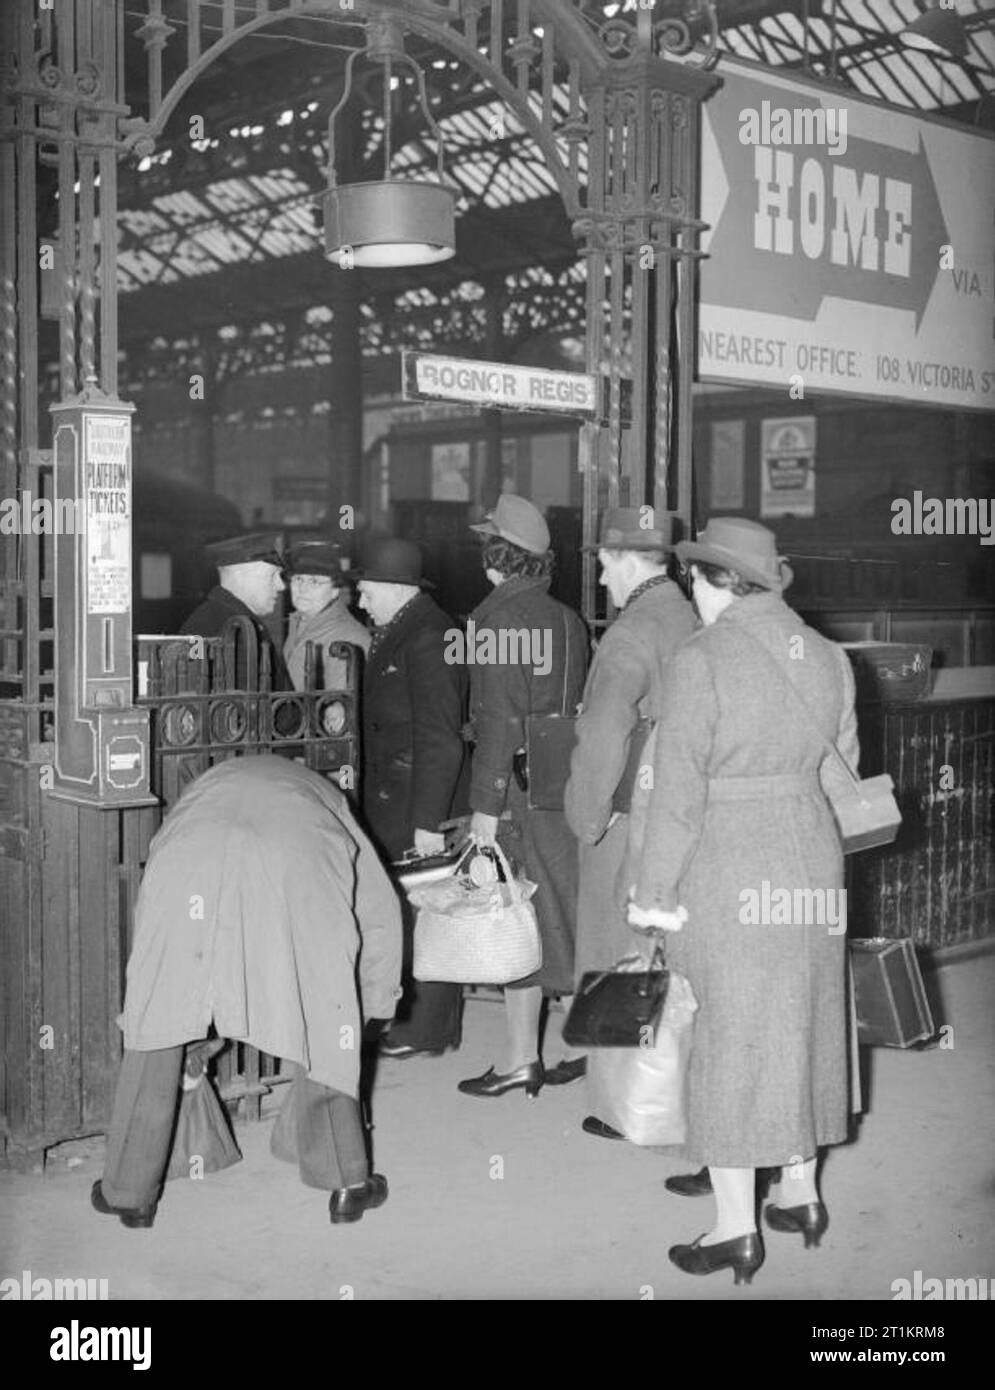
(563, 1215)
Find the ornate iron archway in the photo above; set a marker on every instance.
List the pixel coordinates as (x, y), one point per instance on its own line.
(88, 82)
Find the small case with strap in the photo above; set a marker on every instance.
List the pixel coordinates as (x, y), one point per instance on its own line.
(865, 808)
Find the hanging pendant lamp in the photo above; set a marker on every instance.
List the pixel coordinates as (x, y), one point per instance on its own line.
(938, 29)
(390, 221)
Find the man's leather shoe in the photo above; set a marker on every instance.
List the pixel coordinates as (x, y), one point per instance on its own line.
(566, 1071)
(498, 1083)
(690, 1184)
(592, 1125)
(401, 1050)
(349, 1203)
(136, 1218)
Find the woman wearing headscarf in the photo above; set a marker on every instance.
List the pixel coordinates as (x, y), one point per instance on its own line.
(738, 811)
(518, 562)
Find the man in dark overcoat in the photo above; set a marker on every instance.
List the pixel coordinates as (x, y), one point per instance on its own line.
(414, 708)
(250, 581)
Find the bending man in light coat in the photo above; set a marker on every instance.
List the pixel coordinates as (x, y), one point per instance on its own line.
(261, 904)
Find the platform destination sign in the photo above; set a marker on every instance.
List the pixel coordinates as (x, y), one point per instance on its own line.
(851, 245)
(498, 385)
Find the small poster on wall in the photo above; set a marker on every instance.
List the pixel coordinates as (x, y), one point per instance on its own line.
(787, 467)
(451, 472)
(728, 453)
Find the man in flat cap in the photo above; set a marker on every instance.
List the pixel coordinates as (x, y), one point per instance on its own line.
(623, 687)
(250, 580)
(319, 593)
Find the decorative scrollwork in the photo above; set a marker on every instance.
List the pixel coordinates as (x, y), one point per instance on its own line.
(697, 31)
(136, 136)
(48, 74)
(617, 37)
(178, 726)
(88, 80)
(229, 721)
(674, 36)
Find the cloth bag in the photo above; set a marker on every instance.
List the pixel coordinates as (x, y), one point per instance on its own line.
(618, 1008)
(642, 1091)
(474, 933)
(203, 1131)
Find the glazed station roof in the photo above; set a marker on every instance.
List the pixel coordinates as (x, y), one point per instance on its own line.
(223, 232)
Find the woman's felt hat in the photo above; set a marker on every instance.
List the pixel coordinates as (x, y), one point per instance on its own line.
(737, 544)
(517, 520)
(318, 557)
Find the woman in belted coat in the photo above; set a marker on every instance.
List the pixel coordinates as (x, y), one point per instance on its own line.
(518, 562)
(737, 804)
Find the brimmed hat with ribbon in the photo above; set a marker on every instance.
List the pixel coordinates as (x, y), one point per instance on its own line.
(515, 519)
(744, 546)
(392, 561)
(318, 557)
(623, 528)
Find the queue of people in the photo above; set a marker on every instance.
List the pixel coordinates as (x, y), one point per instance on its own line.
(735, 798)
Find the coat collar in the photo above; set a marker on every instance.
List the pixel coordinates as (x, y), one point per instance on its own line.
(753, 608)
(657, 581)
(507, 592)
(225, 597)
(300, 623)
(390, 633)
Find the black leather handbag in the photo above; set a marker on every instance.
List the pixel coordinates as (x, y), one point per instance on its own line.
(618, 1008)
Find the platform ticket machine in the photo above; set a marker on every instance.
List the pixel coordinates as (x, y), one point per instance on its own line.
(101, 738)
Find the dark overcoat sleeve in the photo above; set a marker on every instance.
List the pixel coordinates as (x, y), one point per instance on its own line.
(437, 712)
(676, 808)
(500, 704)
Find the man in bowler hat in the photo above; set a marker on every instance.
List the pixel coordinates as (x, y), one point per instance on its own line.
(414, 707)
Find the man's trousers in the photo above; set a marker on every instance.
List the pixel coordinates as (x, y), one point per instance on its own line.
(319, 1127)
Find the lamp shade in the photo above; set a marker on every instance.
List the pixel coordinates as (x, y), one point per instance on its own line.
(393, 222)
(937, 31)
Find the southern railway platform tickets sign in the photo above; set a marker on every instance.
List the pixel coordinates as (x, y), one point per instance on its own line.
(851, 245)
(498, 384)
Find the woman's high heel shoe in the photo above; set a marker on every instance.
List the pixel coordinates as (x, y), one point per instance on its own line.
(743, 1256)
(494, 1083)
(811, 1219)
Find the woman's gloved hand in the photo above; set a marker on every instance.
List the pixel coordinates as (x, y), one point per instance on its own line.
(483, 828)
(653, 919)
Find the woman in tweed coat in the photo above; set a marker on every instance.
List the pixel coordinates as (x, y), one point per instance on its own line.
(737, 813)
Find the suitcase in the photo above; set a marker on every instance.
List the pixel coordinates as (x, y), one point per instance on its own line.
(892, 1008)
(550, 739)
